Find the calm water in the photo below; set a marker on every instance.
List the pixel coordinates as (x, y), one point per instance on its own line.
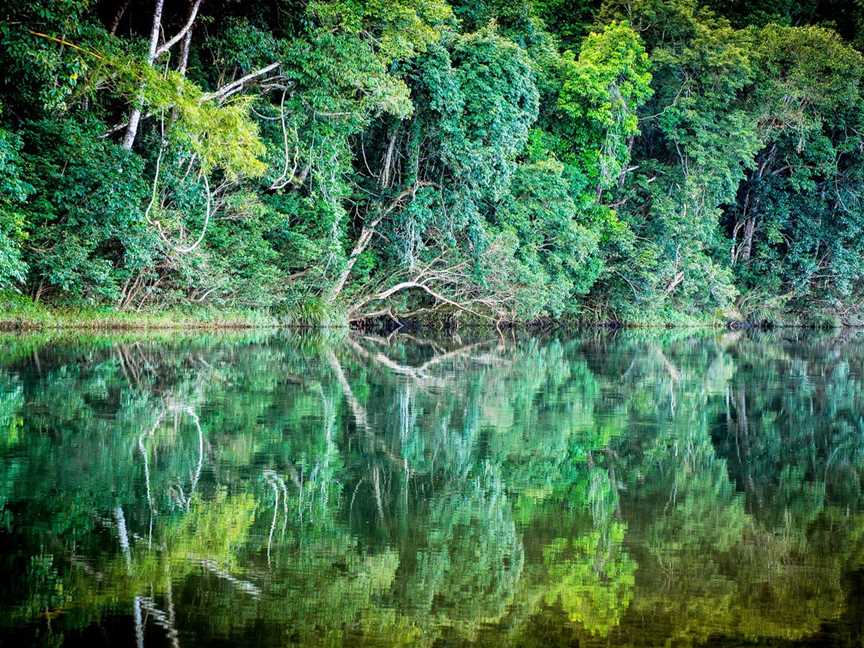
(600, 489)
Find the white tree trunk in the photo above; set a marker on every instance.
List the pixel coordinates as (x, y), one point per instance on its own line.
(135, 115)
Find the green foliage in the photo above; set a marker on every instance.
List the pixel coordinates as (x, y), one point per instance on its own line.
(400, 29)
(647, 160)
(555, 250)
(801, 215)
(14, 191)
(84, 226)
(41, 78)
(602, 91)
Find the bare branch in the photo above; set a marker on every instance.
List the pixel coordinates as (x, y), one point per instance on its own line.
(234, 86)
(366, 234)
(179, 35)
(408, 285)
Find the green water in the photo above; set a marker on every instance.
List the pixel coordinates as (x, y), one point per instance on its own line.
(601, 488)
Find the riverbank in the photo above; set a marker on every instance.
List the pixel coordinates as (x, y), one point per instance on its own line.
(21, 313)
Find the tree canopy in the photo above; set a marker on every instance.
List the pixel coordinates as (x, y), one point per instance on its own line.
(648, 160)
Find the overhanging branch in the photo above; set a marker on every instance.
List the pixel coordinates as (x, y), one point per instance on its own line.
(179, 35)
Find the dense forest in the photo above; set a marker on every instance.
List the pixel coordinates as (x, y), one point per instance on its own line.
(498, 160)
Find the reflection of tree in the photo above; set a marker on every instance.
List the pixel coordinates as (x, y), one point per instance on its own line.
(813, 426)
(409, 490)
(11, 403)
(714, 562)
(591, 577)
(468, 567)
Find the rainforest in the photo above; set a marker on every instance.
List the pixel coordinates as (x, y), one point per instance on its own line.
(498, 161)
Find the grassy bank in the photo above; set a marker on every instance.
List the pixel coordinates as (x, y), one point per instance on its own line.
(22, 313)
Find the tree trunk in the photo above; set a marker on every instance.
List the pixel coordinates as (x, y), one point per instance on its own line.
(153, 52)
(135, 115)
(749, 229)
(115, 21)
(363, 240)
(184, 53)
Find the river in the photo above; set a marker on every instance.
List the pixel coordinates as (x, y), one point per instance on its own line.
(258, 488)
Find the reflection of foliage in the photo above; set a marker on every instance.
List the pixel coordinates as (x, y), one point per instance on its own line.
(11, 402)
(214, 530)
(592, 578)
(468, 569)
(326, 584)
(46, 588)
(406, 492)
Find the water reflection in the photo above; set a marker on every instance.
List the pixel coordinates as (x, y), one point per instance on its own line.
(258, 489)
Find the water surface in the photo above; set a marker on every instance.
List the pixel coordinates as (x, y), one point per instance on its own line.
(264, 489)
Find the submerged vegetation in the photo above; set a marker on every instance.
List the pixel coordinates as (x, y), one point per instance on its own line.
(336, 160)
